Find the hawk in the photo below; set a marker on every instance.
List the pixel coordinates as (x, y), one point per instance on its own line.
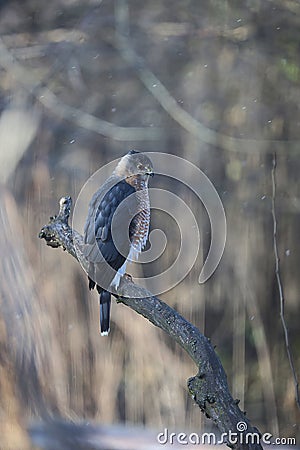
(117, 227)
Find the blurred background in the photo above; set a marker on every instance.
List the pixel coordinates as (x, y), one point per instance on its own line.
(215, 82)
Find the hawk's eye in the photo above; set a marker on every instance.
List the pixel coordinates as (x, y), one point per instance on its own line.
(140, 166)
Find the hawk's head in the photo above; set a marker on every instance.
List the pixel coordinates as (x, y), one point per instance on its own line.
(134, 164)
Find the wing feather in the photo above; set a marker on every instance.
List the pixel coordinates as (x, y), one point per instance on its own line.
(99, 244)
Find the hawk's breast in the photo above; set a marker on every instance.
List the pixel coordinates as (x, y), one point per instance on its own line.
(138, 231)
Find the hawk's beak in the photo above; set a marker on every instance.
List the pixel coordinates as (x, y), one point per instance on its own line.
(151, 174)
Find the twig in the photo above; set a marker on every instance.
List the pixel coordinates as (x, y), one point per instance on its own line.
(209, 387)
(81, 118)
(279, 283)
(171, 106)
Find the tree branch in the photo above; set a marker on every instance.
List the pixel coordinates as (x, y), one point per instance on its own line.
(79, 117)
(209, 387)
(170, 104)
(280, 286)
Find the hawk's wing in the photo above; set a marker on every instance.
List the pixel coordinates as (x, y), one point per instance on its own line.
(98, 236)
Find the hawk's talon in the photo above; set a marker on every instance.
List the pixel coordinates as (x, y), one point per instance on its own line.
(128, 277)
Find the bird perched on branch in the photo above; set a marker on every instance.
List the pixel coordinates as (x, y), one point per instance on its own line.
(117, 227)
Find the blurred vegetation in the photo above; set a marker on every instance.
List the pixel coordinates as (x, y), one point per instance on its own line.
(233, 67)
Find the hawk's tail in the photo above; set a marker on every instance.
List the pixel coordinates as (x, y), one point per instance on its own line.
(105, 299)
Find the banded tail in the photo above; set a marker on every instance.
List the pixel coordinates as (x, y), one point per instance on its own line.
(105, 299)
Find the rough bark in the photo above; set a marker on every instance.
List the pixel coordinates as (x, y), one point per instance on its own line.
(208, 387)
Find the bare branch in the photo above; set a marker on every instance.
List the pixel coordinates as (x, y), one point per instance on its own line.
(209, 387)
(66, 112)
(279, 284)
(171, 106)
